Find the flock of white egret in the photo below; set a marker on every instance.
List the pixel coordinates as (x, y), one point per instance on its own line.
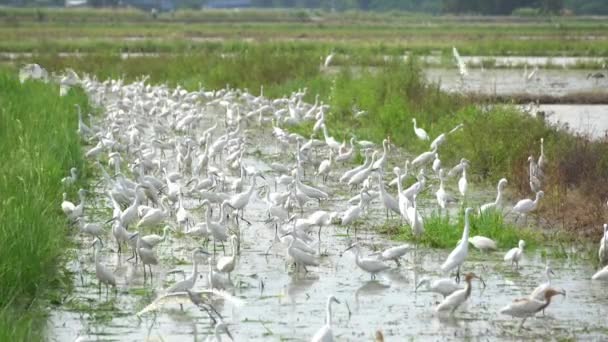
(177, 164)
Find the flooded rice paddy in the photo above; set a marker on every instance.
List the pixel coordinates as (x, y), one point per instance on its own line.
(281, 305)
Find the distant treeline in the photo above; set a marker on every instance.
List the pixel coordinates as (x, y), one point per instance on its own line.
(483, 7)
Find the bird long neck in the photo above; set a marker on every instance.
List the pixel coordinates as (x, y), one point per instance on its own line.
(414, 120)
(328, 312)
(195, 266)
(498, 194)
(542, 149)
(399, 186)
(372, 163)
(468, 289)
(547, 302)
(208, 212)
(465, 233)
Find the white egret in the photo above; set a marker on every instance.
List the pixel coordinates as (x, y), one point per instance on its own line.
(381, 162)
(325, 334)
(328, 59)
(188, 283)
(442, 137)
(348, 174)
(601, 274)
(443, 197)
(603, 250)
(515, 254)
(198, 298)
(528, 307)
(483, 243)
(453, 301)
(415, 220)
(360, 176)
(388, 201)
(71, 179)
(403, 174)
(542, 159)
(436, 165)
(462, 67)
(525, 206)
(226, 264)
(459, 254)
(458, 168)
(415, 188)
(310, 191)
(424, 158)
(66, 206)
(148, 257)
(154, 239)
(92, 229)
(395, 253)
(325, 167)
(369, 265)
(497, 204)
(420, 132)
(535, 175)
(300, 257)
(353, 213)
(348, 154)
(443, 286)
(463, 184)
(402, 200)
(72, 211)
(241, 200)
(329, 140)
(540, 290)
(155, 216)
(104, 275)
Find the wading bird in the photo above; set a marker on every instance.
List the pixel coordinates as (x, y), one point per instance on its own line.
(525, 206)
(444, 286)
(369, 265)
(325, 334)
(497, 204)
(459, 254)
(514, 254)
(102, 274)
(528, 307)
(453, 301)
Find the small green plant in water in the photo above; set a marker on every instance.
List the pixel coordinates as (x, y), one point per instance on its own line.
(442, 231)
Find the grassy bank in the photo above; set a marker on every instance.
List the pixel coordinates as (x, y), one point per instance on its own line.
(39, 144)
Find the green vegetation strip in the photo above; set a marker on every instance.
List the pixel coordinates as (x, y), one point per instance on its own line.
(354, 34)
(39, 144)
(496, 139)
(442, 231)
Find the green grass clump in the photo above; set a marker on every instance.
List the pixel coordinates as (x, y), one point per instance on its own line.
(445, 232)
(39, 144)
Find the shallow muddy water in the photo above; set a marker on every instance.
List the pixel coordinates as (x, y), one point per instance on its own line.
(283, 306)
(589, 120)
(552, 82)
